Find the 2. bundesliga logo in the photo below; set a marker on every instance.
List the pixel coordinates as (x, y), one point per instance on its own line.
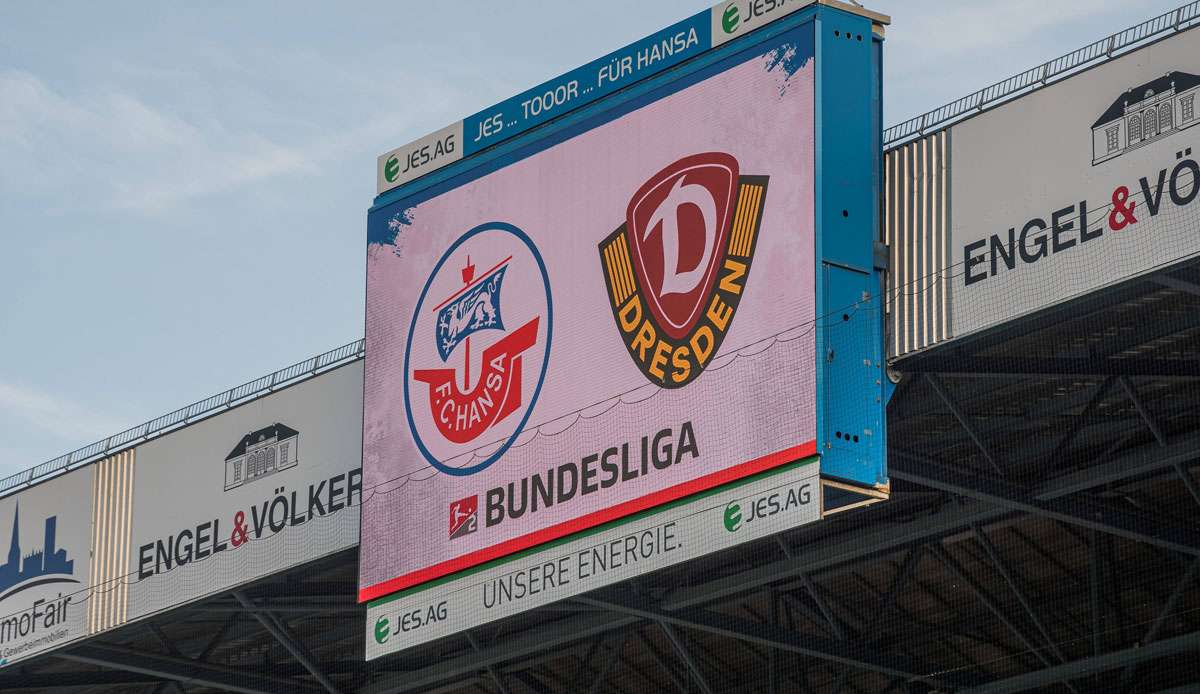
(677, 267)
(507, 312)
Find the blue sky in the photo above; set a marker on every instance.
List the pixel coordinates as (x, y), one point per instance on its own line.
(183, 188)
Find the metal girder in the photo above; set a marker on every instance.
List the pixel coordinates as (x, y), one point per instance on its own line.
(1177, 284)
(317, 591)
(1188, 482)
(993, 553)
(491, 669)
(1082, 420)
(982, 595)
(1052, 367)
(1188, 643)
(1077, 511)
(661, 662)
(72, 680)
(963, 419)
(183, 670)
(577, 680)
(1134, 463)
(535, 684)
(608, 666)
(282, 609)
(686, 656)
(293, 646)
(1142, 410)
(773, 637)
(166, 643)
(1167, 611)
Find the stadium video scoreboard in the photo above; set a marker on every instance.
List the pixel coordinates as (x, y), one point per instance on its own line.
(595, 313)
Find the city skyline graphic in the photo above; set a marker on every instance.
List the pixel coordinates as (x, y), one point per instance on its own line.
(49, 564)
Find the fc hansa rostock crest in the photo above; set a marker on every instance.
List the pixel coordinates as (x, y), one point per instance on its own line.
(477, 348)
(677, 268)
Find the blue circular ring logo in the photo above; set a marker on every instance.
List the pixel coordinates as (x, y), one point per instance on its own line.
(528, 243)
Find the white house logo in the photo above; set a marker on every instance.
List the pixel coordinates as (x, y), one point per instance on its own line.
(262, 453)
(1144, 114)
(477, 348)
(43, 566)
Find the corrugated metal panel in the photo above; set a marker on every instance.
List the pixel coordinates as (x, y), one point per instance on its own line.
(112, 491)
(917, 227)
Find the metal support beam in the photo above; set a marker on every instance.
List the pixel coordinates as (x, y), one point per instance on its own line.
(182, 670)
(533, 682)
(994, 554)
(276, 628)
(608, 665)
(983, 597)
(166, 643)
(1136, 398)
(967, 425)
(1188, 643)
(583, 669)
(1083, 419)
(1189, 482)
(281, 609)
(1078, 511)
(1168, 609)
(1130, 464)
(684, 655)
(773, 637)
(58, 681)
(1025, 367)
(1177, 284)
(662, 663)
(1094, 589)
(901, 580)
(491, 669)
(772, 654)
(823, 606)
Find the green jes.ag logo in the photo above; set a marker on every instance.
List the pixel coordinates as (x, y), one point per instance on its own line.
(391, 169)
(733, 516)
(382, 630)
(730, 18)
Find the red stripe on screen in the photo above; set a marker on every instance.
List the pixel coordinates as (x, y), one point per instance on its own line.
(586, 521)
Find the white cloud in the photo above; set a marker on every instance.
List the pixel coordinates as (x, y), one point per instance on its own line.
(128, 153)
(70, 421)
(938, 51)
(980, 28)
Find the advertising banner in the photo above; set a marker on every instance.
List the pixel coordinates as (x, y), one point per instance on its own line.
(651, 55)
(613, 321)
(750, 509)
(1077, 186)
(45, 538)
(268, 485)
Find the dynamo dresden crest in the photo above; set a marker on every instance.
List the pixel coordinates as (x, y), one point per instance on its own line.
(477, 348)
(677, 267)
